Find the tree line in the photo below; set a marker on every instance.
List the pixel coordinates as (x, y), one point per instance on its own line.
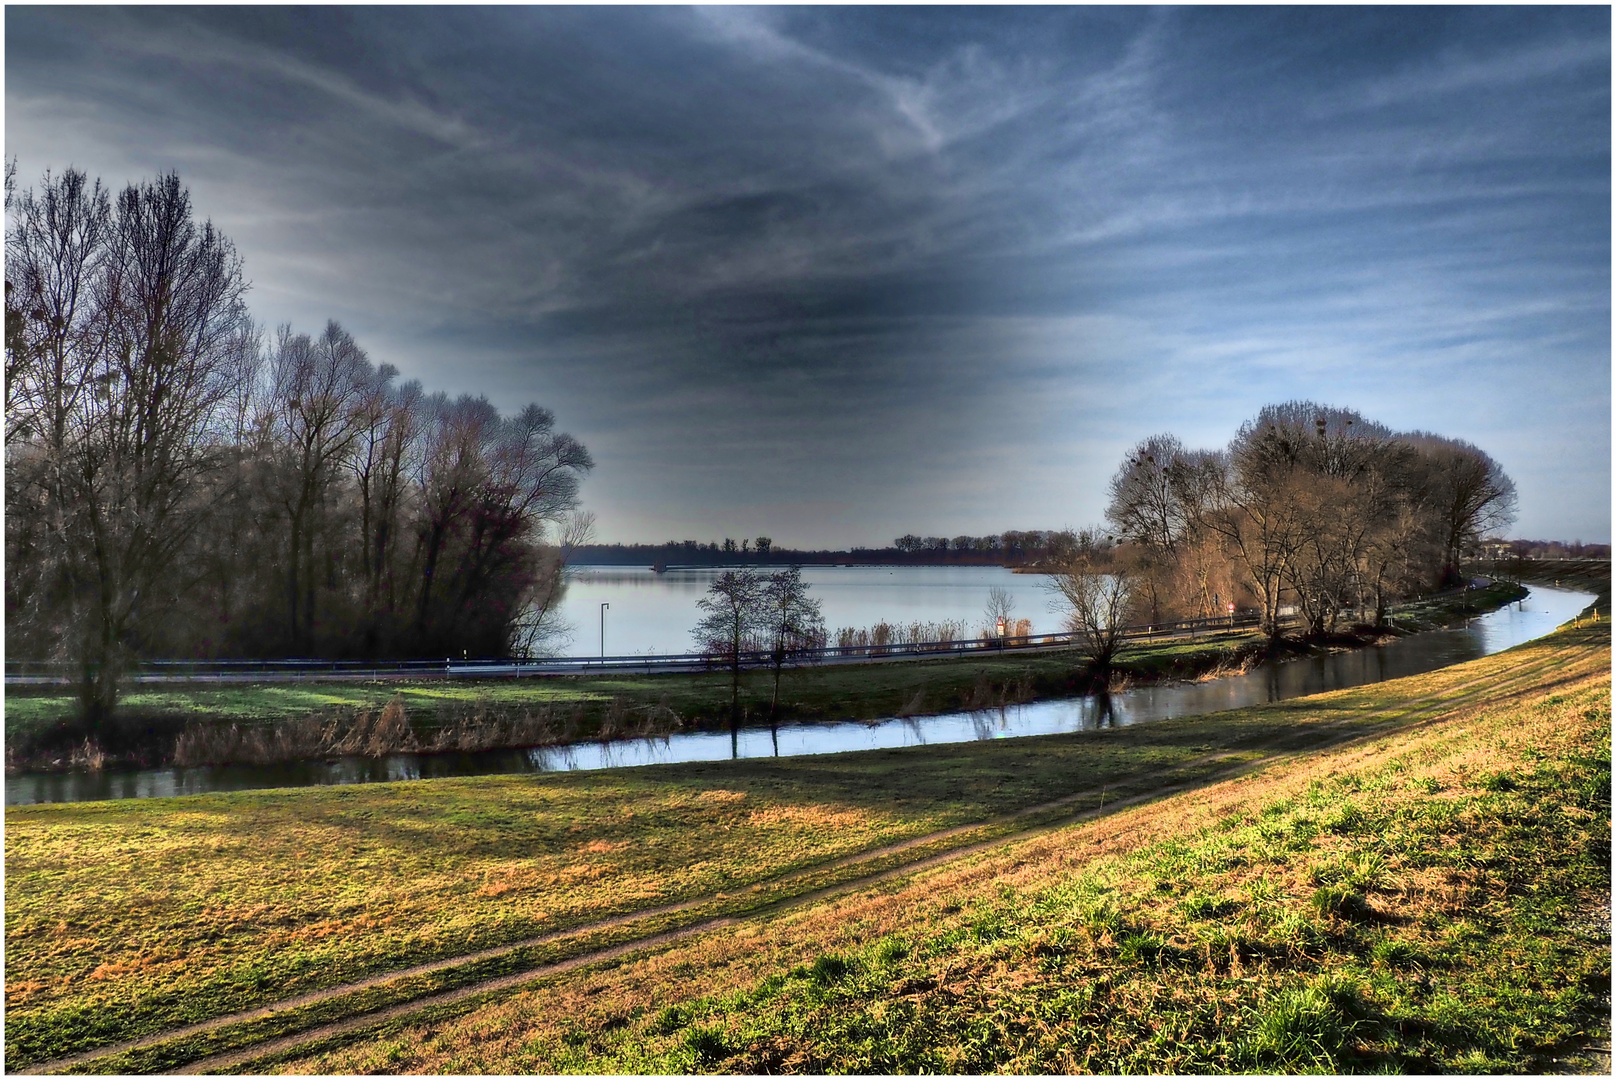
(1032, 547)
(181, 483)
(1011, 547)
(1309, 507)
(1546, 549)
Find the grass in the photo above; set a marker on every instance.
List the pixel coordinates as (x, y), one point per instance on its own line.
(128, 917)
(39, 725)
(41, 730)
(124, 919)
(1439, 611)
(1433, 900)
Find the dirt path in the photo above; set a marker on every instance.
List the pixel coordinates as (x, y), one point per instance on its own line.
(1401, 716)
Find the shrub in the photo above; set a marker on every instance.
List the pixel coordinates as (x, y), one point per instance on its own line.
(889, 950)
(1141, 948)
(669, 1020)
(1396, 954)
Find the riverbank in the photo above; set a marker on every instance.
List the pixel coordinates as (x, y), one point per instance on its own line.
(272, 723)
(1407, 876)
(1590, 575)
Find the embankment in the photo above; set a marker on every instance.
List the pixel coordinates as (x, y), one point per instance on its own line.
(1411, 876)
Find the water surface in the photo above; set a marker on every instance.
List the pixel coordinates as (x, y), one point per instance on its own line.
(653, 613)
(1538, 614)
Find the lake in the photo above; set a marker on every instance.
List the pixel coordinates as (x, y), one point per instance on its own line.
(652, 613)
(1537, 615)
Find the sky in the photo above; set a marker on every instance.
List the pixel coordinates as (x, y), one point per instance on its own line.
(834, 275)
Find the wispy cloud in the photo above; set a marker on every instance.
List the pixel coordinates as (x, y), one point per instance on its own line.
(935, 268)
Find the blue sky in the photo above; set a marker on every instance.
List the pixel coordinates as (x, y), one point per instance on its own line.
(838, 274)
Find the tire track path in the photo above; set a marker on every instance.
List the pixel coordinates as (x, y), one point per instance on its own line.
(1397, 716)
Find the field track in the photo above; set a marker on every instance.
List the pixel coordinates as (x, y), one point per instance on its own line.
(231, 1041)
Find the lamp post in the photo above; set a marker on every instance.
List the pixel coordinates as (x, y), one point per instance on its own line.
(603, 608)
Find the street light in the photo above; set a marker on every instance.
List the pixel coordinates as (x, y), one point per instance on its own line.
(603, 608)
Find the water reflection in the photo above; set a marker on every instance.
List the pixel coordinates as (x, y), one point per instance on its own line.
(1104, 711)
(1542, 611)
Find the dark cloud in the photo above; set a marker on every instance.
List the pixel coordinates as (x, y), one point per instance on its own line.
(836, 274)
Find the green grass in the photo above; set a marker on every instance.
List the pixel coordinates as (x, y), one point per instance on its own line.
(1330, 916)
(40, 727)
(834, 692)
(128, 918)
(1441, 611)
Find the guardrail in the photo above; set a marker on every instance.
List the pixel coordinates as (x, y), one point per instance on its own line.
(46, 673)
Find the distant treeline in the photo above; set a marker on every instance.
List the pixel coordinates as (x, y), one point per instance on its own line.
(1547, 549)
(180, 484)
(1032, 547)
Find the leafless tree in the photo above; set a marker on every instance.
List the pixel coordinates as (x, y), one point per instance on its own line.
(730, 625)
(382, 463)
(172, 489)
(998, 612)
(147, 433)
(1312, 505)
(791, 623)
(320, 390)
(1145, 506)
(57, 336)
(1098, 594)
(1254, 512)
(486, 484)
(540, 631)
(1469, 496)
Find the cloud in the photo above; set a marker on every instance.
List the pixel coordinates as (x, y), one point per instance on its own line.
(938, 267)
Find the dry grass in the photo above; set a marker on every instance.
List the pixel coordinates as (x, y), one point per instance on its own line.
(1398, 903)
(125, 918)
(197, 907)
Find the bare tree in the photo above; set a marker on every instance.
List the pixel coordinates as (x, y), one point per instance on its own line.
(1310, 504)
(729, 627)
(1254, 510)
(145, 438)
(791, 622)
(540, 631)
(170, 490)
(1468, 494)
(998, 611)
(487, 484)
(1145, 505)
(321, 388)
(1098, 594)
(57, 335)
(382, 463)
(56, 256)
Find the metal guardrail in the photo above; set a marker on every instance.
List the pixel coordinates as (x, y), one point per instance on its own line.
(46, 673)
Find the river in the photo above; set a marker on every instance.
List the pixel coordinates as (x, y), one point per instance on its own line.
(1505, 628)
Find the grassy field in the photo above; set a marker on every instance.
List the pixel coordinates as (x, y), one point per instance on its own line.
(131, 920)
(1434, 901)
(332, 717)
